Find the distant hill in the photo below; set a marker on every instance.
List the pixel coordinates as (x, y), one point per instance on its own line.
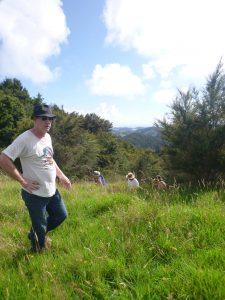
(142, 137)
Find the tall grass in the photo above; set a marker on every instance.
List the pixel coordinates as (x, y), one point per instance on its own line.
(117, 244)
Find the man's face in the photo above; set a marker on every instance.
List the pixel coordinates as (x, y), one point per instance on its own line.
(43, 123)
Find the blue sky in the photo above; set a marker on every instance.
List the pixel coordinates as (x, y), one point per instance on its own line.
(120, 59)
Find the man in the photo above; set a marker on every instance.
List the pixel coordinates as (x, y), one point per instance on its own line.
(38, 180)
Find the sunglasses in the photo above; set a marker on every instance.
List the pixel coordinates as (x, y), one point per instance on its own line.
(47, 118)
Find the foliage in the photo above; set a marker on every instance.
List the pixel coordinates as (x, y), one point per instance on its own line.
(94, 124)
(75, 149)
(195, 133)
(148, 165)
(109, 156)
(13, 87)
(12, 118)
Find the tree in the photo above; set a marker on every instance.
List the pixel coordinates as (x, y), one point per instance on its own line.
(195, 133)
(94, 124)
(13, 87)
(147, 165)
(75, 149)
(13, 118)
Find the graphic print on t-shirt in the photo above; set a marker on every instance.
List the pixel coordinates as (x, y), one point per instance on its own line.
(47, 157)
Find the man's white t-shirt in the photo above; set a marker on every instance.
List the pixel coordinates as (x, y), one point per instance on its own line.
(36, 156)
(133, 183)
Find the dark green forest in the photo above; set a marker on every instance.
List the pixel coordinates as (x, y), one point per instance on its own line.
(192, 135)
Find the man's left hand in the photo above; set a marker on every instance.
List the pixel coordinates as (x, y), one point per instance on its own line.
(65, 182)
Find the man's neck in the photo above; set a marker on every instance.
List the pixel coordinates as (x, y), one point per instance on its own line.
(39, 134)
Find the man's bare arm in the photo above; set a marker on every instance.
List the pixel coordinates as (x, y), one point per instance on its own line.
(62, 177)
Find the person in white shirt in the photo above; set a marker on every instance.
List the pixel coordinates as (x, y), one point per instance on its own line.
(38, 178)
(132, 182)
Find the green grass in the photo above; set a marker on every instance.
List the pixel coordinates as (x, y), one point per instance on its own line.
(117, 244)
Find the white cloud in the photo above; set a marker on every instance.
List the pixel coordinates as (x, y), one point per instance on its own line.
(165, 96)
(165, 84)
(115, 80)
(30, 33)
(148, 71)
(177, 36)
(108, 111)
(121, 117)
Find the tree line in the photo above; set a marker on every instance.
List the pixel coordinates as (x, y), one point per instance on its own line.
(193, 135)
(82, 143)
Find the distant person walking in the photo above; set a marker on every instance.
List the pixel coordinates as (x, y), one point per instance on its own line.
(38, 180)
(132, 182)
(159, 183)
(99, 179)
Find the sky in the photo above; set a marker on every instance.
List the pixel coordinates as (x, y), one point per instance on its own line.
(121, 59)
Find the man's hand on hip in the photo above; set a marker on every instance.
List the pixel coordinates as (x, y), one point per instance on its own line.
(30, 185)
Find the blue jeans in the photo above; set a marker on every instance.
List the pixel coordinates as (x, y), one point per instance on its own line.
(46, 213)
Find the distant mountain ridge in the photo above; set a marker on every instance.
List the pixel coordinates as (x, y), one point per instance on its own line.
(141, 137)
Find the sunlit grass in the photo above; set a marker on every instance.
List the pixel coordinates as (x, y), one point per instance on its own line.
(117, 244)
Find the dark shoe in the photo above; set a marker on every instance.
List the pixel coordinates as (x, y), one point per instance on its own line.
(34, 250)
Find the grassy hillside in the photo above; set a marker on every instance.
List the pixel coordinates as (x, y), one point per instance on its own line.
(117, 244)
